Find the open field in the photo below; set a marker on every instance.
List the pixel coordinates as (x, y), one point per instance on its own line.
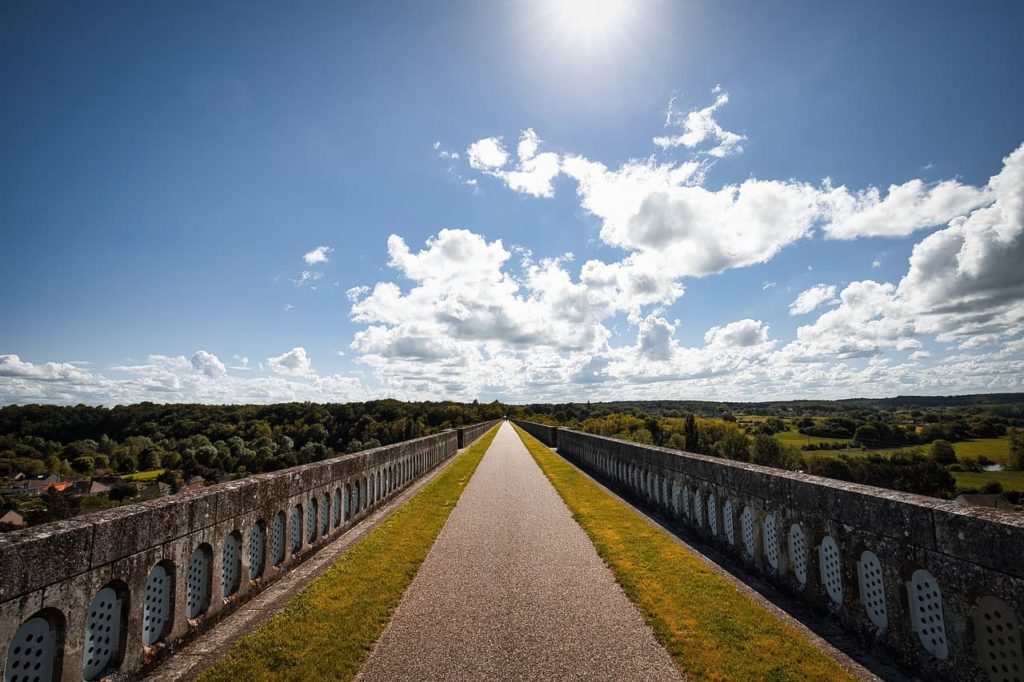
(145, 476)
(711, 630)
(794, 437)
(996, 449)
(329, 629)
(1010, 480)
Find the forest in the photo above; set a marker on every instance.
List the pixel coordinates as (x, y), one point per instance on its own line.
(124, 448)
(57, 462)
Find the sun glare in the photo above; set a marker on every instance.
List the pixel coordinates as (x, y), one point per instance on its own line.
(588, 23)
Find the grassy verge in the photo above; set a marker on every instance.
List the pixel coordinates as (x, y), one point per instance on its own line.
(329, 629)
(711, 630)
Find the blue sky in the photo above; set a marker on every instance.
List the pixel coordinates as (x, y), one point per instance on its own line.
(165, 171)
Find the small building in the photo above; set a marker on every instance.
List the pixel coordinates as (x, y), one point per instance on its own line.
(89, 488)
(155, 489)
(39, 485)
(994, 500)
(12, 518)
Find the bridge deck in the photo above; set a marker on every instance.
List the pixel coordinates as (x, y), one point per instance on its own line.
(513, 589)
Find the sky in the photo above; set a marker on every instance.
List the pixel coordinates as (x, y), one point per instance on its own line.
(516, 200)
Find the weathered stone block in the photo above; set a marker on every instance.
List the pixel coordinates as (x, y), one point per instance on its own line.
(36, 557)
(991, 538)
(127, 530)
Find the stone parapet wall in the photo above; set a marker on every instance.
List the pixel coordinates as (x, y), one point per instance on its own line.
(542, 432)
(937, 586)
(468, 434)
(110, 594)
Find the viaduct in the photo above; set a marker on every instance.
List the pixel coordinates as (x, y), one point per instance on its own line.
(935, 586)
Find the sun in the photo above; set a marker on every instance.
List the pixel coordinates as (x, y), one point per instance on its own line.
(588, 23)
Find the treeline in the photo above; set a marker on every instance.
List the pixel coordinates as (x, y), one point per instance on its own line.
(920, 428)
(716, 437)
(1009, 406)
(211, 440)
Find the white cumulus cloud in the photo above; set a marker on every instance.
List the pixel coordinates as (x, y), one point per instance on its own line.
(208, 364)
(534, 172)
(810, 299)
(320, 254)
(295, 363)
(487, 154)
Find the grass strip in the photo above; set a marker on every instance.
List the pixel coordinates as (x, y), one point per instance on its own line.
(712, 630)
(328, 630)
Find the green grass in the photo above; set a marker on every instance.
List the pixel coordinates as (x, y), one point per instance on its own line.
(1010, 480)
(794, 437)
(711, 630)
(145, 476)
(996, 449)
(328, 630)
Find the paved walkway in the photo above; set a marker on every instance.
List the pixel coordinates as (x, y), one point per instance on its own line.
(514, 590)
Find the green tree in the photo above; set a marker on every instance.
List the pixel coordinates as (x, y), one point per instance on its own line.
(58, 506)
(943, 452)
(992, 488)
(1016, 438)
(149, 459)
(691, 436)
(84, 464)
(53, 464)
(734, 444)
(767, 450)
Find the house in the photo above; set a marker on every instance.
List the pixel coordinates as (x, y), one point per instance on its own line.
(12, 518)
(93, 487)
(59, 486)
(19, 487)
(37, 486)
(155, 489)
(995, 500)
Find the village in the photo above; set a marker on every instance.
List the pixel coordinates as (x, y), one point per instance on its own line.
(28, 500)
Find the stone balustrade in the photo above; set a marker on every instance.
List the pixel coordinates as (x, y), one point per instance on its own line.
(112, 593)
(937, 586)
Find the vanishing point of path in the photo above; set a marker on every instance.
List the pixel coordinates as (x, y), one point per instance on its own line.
(513, 589)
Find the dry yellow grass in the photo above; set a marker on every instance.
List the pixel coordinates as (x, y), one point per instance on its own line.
(712, 630)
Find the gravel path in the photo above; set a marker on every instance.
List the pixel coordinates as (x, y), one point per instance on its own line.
(514, 590)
